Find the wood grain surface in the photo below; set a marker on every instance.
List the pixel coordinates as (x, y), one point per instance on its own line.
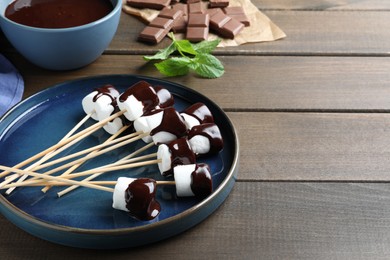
(312, 115)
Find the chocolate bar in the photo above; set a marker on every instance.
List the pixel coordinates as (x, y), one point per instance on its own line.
(197, 27)
(180, 24)
(225, 26)
(195, 8)
(238, 13)
(218, 3)
(160, 26)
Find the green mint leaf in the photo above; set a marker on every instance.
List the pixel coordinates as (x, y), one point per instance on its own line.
(175, 66)
(185, 46)
(163, 53)
(206, 46)
(207, 66)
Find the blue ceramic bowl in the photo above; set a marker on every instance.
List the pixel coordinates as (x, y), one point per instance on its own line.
(62, 49)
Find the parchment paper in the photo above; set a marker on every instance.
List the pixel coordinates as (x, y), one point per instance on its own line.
(261, 28)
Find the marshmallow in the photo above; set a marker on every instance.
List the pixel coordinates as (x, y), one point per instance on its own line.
(165, 157)
(170, 127)
(197, 114)
(164, 96)
(137, 196)
(118, 197)
(183, 179)
(177, 152)
(205, 139)
(193, 180)
(100, 98)
(141, 124)
(137, 100)
(190, 121)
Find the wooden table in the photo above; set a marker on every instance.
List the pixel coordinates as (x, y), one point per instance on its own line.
(311, 111)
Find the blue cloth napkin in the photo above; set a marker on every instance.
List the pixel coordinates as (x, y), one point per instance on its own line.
(11, 85)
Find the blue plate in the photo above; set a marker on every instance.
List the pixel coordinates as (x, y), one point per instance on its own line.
(85, 218)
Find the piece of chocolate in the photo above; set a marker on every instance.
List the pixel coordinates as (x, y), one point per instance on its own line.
(197, 27)
(231, 29)
(180, 25)
(161, 22)
(218, 3)
(170, 13)
(225, 26)
(198, 20)
(152, 4)
(218, 19)
(197, 34)
(152, 34)
(238, 13)
(160, 26)
(195, 8)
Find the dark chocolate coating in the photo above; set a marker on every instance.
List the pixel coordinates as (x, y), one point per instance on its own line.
(181, 154)
(172, 123)
(57, 13)
(107, 90)
(141, 200)
(201, 112)
(211, 132)
(201, 184)
(165, 97)
(144, 93)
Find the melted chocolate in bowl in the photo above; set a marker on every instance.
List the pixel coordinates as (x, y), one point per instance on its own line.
(57, 13)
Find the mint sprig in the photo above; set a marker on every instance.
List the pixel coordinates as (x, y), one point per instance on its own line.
(196, 57)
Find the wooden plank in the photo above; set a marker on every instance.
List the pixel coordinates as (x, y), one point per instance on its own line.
(281, 83)
(257, 221)
(308, 33)
(313, 146)
(327, 5)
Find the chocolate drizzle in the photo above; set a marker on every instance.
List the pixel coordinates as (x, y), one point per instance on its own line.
(211, 132)
(201, 184)
(201, 112)
(181, 154)
(165, 97)
(141, 200)
(144, 93)
(106, 90)
(171, 122)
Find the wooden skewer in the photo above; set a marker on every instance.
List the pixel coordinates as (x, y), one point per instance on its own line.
(79, 160)
(93, 176)
(62, 183)
(49, 154)
(56, 178)
(88, 130)
(94, 149)
(83, 173)
(101, 169)
(74, 167)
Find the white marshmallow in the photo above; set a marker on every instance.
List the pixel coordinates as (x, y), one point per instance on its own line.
(118, 197)
(190, 121)
(155, 119)
(134, 108)
(102, 104)
(88, 104)
(200, 144)
(163, 137)
(114, 126)
(165, 155)
(183, 179)
(141, 124)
